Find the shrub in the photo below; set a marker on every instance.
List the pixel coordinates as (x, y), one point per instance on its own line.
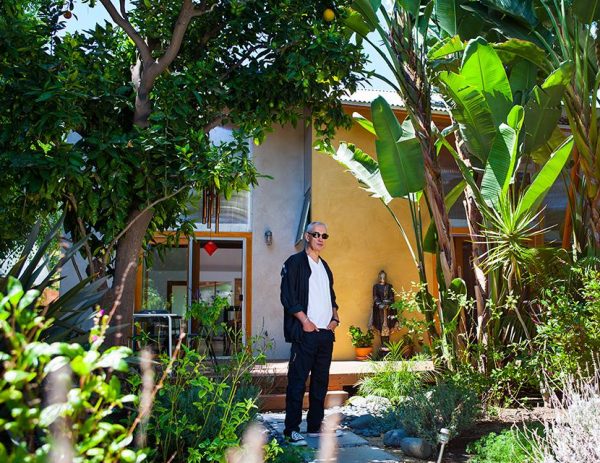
(446, 405)
(391, 379)
(200, 412)
(510, 446)
(573, 435)
(59, 399)
(569, 330)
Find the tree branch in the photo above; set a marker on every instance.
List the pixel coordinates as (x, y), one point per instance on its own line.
(185, 15)
(123, 10)
(130, 31)
(115, 240)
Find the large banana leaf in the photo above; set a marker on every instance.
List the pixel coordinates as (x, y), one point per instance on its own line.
(364, 168)
(364, 122)
(368, 11)
(516, 49)
(523, 77)
(546, 177)
(472, 113)
(497, 174)
(400, 158)
(447, 13)
(587, 11)
(483, 70)
(523, 9)
(543, 108)
(445, 48)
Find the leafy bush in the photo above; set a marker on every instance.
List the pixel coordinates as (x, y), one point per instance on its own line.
(445, 405)
(392, 378)
(573, 435)
(58, 399)
(569, 330)
(510, 446)
(200, 412)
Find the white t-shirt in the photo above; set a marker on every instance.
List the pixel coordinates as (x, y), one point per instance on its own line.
(319, 308)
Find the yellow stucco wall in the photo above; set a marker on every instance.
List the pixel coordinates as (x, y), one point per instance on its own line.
(364, 237)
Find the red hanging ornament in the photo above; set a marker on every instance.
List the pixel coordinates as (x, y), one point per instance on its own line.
(211, 247)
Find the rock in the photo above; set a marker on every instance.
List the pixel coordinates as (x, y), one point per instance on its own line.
(362, 422)
(368, 432)
(392, 438)
(374, 401)
(416, 447)
(357, 401)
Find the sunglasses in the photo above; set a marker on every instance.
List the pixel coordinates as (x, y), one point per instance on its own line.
(318, 235)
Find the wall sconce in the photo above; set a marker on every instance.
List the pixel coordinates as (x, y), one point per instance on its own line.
(268, 237)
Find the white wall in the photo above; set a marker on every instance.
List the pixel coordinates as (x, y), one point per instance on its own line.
(276, 206)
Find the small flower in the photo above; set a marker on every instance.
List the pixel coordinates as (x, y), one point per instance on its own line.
(94, 338)
(101, 312)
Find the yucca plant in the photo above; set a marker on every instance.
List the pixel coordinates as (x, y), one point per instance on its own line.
(71, 311)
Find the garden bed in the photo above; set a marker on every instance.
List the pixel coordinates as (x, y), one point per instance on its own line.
(501, 419)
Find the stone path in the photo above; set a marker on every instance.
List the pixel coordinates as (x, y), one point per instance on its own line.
(352, 448)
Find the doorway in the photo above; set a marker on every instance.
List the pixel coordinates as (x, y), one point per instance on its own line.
(218, 274)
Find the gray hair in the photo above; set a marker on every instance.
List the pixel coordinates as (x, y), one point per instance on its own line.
(311, 226)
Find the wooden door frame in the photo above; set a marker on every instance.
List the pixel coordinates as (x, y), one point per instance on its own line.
(246, 237)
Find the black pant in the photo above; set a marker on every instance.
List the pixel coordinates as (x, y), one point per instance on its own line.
(312, 355)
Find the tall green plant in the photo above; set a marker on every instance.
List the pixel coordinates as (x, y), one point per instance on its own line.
(61, 399)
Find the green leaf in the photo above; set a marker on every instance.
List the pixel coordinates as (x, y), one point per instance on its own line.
(364, 168)
(401, 161)
(367, 12)
(446, 47)
(49, 414)
(18, 376)
(364, 122)
(447, 13)
(513, 50)
(546, 177)
(472, 113)
(483, 69)
(356, 23)
(587, 11)
(544, 109)
(498, 164)
(523, 77)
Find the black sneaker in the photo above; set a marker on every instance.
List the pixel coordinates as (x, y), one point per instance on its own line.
(297, 439)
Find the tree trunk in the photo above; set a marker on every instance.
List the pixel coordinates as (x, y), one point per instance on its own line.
(120, 299)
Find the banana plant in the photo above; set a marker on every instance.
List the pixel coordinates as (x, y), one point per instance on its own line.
(402, 29)
(500, 120)
(566, 31)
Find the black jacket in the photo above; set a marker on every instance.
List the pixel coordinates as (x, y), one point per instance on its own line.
(294, 293)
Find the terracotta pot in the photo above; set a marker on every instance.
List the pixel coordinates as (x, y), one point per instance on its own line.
(363, 353)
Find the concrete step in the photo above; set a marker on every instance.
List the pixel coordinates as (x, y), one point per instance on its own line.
(276, 402)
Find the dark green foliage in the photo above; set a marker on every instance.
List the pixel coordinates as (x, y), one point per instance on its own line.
(200, 412)
(509, 446)
(568, 331)
(38, 268)
(58, 390)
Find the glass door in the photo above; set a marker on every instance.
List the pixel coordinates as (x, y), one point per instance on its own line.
(217, 275)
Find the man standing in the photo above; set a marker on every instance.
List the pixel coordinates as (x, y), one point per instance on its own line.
(310, 319)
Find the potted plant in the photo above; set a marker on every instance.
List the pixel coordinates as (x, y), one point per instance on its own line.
(362, 342)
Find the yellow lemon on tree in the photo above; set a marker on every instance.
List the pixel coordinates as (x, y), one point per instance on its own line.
(328, 15)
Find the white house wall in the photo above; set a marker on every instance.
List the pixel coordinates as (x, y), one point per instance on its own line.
(276, 206)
